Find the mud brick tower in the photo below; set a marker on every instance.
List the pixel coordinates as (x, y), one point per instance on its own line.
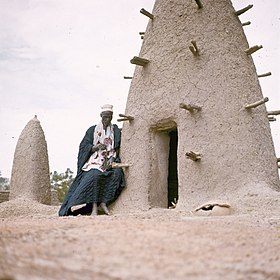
(196, 124)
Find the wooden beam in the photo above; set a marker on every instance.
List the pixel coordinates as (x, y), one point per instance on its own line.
(194, 49)
(264, 75)
(146, 13)
(240, 12)
(190, 107)
(193, 156)
(119, 165)
(273, 113)
(139, 61)
(256, 104)
(123, 119)
(126, 116)
(199, 4)
(246, 23)
(253, 49)
(271, 119)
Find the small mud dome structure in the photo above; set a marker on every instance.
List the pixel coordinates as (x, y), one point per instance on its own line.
(30, 174)
(30, 182)
(196, 124)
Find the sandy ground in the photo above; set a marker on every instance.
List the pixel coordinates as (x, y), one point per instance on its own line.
(157, 244)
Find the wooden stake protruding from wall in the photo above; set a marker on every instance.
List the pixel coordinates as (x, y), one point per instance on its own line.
(127, 77)
(240, 12)
(139, 61)
(125, 118)
(142, 35)
(190, 107)
(264, 75)
(256, 104)
(253, 49)
(146, 13)
(120, 165)
(271, 119)
(194, 49)
(193, 156)
(273, 113)
(246, 23)
(199, 4)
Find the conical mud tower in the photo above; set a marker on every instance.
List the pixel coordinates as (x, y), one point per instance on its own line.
(200, 130)
(30, 174)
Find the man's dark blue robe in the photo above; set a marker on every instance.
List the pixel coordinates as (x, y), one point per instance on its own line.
(93, 185)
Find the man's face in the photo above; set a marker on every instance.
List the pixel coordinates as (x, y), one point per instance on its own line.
(106, 118)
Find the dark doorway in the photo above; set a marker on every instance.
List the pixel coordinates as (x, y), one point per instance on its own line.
(172, 169)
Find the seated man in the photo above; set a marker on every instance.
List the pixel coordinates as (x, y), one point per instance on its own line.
(96, 183)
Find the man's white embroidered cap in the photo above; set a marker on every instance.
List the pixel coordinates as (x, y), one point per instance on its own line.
(107, 107)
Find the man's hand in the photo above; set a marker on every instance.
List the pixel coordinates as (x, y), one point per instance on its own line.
(102, 146)
(98, 147)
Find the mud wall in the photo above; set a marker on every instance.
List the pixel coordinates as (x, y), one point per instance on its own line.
(235, 143)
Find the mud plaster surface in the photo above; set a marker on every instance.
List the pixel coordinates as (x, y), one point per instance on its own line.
(235, 143)
(30, 174)
(156, 244)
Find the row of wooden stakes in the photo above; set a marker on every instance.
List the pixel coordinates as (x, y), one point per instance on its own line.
(193, 47)
(191, 108)
(200, 6)
(193, 155)
(140, 61)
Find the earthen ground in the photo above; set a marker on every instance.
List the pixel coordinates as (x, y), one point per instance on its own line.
(157, 244)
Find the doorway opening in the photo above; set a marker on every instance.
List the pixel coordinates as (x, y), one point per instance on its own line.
(172, 169)
(163, 189)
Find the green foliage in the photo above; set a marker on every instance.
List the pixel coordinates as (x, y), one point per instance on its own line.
(61, 182)
(4, 183)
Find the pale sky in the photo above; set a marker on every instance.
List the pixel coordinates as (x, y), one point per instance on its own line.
(62, 59)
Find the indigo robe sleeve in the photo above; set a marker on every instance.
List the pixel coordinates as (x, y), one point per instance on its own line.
(117, 140)
(85, 148)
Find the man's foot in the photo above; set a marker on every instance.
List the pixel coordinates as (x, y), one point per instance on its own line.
(94, 210)
(104, 208)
